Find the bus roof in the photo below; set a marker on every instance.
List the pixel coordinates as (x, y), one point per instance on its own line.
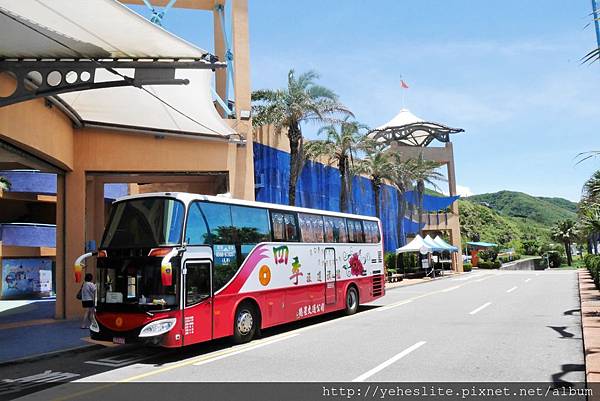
(189, 197)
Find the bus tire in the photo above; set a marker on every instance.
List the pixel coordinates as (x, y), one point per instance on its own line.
(351, 301)
(246, 323)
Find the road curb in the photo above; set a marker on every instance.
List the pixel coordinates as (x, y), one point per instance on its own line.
(590, 324)
(51, 354)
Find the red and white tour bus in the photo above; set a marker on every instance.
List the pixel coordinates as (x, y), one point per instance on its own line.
(176, 269)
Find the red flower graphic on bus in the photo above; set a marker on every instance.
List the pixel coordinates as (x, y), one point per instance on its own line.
(356, 266)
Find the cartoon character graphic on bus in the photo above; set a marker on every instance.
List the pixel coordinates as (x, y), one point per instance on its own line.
(296, 273)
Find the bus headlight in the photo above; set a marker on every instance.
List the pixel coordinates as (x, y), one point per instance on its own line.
(94, 325)
(158, 327)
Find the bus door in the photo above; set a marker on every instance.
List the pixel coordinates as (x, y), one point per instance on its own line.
(197, 301)
(330, 270)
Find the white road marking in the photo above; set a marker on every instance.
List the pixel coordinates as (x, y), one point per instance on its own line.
(512, 289)
(451, 288)
(388, 362)
(244, 350)
(394, 305)
(485, 305)
(528, 280)
(116, 361)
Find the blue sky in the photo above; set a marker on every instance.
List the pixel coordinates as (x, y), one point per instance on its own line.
(508, 72)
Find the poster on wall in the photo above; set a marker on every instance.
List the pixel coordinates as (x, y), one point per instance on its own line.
(26, 278)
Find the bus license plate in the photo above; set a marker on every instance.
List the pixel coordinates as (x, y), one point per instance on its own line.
(118, 340)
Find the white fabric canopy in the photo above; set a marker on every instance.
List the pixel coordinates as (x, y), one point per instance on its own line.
(84, 28)
(416, 245)
(438, 240)
(106, 29)
(404, 117)
(432, 244)
(132, 107)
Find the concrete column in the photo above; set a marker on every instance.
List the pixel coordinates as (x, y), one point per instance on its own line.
(455, 239)
(75, 191)
(60, 265)
(219, 42)
(241, 54)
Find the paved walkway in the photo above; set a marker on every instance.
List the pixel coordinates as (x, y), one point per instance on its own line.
(28, 330)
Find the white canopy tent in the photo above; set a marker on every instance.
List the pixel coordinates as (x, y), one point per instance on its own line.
(99, 31)
(438, 240)
(418, 244)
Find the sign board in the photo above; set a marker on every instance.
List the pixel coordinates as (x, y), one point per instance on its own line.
(224, 254)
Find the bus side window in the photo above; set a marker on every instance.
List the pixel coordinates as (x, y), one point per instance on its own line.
(329, 229)
(278, 226)
(197, 283)
(223, 237)
(359, 235)
(318, 227)
(252, 226)
(291, 229)
(351, 235)
(341, 225)
(196, 232)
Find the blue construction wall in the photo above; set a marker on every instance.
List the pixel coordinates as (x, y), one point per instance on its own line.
(319, 188)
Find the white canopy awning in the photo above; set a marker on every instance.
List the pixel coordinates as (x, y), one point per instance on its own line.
(416, 245)
(404, 117)
(131, 107)
(106, 29)
(84, 28)
(439, 241)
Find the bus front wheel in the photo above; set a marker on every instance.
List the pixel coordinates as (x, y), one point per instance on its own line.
(246, 323)
(351, 301)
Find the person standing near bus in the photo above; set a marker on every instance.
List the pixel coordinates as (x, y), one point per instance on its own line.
(88, 295)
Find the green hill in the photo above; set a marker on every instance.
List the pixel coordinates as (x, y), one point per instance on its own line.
(545, 211)
(478, 222)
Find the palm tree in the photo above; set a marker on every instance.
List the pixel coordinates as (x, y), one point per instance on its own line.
(565, 231)
(377, 165)
(286, 109)
(339, 148)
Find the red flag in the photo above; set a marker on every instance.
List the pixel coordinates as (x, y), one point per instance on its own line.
(403, 84)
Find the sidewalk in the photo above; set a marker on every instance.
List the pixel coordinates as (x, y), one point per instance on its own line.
(28, 330)
(412, 281)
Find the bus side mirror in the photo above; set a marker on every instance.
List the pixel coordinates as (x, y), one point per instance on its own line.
(90, 246)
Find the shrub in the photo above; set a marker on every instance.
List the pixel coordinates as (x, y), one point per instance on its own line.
(390, 260)
(496, 264)
(486, 264)
(592, 262)
(555, 259)
(489, 254)
(516, 256)
(467, 267)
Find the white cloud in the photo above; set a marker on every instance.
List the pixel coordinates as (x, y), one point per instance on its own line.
(462, 191)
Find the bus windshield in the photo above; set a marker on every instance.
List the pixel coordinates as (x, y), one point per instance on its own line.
(134, 282)
(144, 223)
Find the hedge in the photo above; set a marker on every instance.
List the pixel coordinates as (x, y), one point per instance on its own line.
(467, 267)
(482, 264)
(592, 262)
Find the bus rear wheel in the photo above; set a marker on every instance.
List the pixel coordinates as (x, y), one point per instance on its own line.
(351, 301)
(245, 325)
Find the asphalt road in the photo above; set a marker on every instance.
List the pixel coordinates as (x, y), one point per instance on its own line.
(477, 327)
